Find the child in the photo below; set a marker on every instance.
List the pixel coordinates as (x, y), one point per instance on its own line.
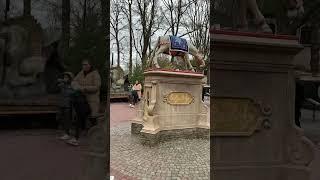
(66, 103)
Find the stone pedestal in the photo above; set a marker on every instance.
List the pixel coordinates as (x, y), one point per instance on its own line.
(252, 109)
(172, 107)
(96, 157)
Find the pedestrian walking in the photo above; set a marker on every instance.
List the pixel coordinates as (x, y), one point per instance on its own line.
(137, 87)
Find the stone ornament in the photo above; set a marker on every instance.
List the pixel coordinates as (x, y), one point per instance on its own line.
(251, 116)
(300, 149)
(151, 98)
(117, 78)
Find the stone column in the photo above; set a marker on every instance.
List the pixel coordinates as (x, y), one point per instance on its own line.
(96, 157)
(137, 122)
(252, 107)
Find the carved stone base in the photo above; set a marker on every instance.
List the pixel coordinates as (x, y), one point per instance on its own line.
(167, 135)
(172, 101)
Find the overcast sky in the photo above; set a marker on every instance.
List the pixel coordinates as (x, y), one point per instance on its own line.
(40, 12)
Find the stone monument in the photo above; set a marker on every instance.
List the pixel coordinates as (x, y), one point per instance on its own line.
(172, 105)
(230, 14)
(252, 109)
(28, 69)
(22, 65)
(118, 89)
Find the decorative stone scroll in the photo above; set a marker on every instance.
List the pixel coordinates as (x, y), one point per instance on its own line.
(179, 98)
(239, 116)
(300, 149)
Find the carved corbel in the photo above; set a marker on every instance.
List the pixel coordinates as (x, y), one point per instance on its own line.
(153, 98)
(300, 149)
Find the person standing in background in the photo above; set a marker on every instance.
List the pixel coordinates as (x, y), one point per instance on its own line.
(89, 82)
(137, 87)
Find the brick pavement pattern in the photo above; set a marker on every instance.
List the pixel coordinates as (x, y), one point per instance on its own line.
(177, 159)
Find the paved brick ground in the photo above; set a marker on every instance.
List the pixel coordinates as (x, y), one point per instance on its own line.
(121, 112)
(38, 155)
(178, 159)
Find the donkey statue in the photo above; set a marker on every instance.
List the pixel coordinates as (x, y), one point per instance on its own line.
(294, 9)
(176, 47)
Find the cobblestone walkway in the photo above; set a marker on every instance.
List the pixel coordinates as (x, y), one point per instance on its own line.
(178, 159)
(183, 158)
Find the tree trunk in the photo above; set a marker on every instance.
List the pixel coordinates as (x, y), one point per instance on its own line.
(65, 26)
(314, 61)
(118, 52)
(130, 37)
(314, 51)
(26, 7)
(7, 10)
(144, 51)
(84, 15)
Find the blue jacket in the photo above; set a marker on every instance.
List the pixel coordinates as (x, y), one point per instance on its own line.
(66, 95)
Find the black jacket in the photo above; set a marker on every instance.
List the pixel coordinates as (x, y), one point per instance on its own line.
(81, 105)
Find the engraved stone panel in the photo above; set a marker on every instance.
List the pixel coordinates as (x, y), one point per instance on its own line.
(179, 98)
(237, 116)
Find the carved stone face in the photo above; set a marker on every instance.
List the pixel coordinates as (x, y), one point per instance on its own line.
(114, 75)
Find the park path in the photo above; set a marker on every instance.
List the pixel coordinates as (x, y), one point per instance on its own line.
(120, 113)
(38, 155)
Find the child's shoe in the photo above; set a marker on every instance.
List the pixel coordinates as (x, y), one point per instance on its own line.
(73, 141)
(65, 137)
